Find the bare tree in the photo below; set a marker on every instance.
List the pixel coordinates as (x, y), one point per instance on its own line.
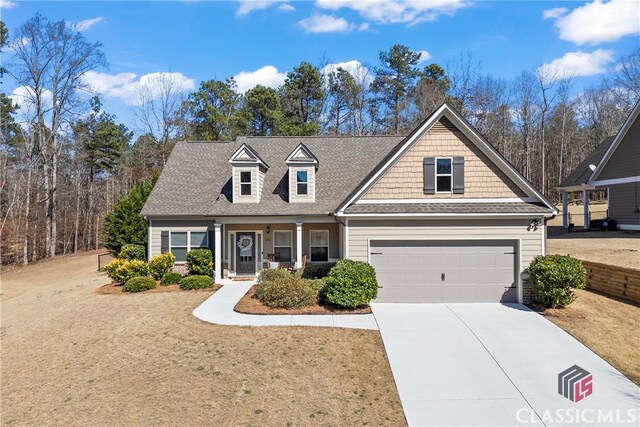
(50, 59)
(547, 79)
(524, 107)
(160, 100)
(627, 73)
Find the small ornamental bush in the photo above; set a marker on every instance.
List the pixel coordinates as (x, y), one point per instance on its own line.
(317, 270)
(170, 279)
(350, 284)
(200, 262)
(139, 284)
(161, 264)
(289, 292)
(121, 270)
(272, 274)
(554, 276)
(196, 282)
(133, 252)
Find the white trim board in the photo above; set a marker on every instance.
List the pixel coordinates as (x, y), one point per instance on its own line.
(473, 136)
(443, 215)
(631, 227)
(614, 181)
(435, 201)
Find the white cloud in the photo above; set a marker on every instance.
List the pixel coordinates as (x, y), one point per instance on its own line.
(578, 64)
(24, 96)
(424, 56)
(286, 7)
(6, 4)
(88, 23)
(126, 86)
(396, 11)
(354, 67)
(268, 76)
(599, 22)
(248, 6)
(554, 13)
(329, 24)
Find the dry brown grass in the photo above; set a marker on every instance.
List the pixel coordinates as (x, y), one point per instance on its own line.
(73, 357)
(607, 326)
(620, 248)
(249, 304)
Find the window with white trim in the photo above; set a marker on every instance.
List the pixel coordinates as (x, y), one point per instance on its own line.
(444, 175)
(302, 183)
(245, 183)
(181, 242)
(319, 245)
(282, 245)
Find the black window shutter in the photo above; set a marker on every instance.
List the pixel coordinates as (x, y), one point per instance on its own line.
(458, 175)
(429, 172)
(211, 240)
(164, 241)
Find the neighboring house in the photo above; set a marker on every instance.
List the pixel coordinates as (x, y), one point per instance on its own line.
(440, 214)
(615, 166)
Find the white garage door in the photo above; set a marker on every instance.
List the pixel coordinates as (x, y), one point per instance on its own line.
(444, 271)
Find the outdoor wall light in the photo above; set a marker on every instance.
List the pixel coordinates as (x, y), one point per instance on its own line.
(268, 229)
(534, 225)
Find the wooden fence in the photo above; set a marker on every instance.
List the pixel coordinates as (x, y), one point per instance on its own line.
(612, 280)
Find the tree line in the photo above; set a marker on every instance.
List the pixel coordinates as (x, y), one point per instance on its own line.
(65, 162)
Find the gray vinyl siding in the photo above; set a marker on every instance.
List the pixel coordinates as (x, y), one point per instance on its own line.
(160, 225)
(361, 231)
(625, 161)
(624, 199)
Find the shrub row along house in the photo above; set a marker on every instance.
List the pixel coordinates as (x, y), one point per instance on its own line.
(613, 166)
(439, 213)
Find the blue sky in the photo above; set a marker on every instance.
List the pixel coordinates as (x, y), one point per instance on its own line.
(201, 40)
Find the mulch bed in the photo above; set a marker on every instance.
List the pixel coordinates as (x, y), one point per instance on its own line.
(249, 304)
(116, 289)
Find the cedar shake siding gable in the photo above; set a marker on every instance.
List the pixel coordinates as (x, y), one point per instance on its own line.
(405, 179)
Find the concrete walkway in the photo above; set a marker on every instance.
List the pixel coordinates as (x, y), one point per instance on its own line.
(218, 308)
(494, 365)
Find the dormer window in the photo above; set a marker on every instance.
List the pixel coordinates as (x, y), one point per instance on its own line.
(302, 183)
(302, 175)
(248, 171)
(245, 183)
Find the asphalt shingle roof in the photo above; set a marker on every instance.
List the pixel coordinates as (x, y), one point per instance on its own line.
(448, 208)
(196, 180)
(582, 172)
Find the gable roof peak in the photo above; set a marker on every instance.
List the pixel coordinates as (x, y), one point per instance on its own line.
(302, 154)
(245, 154)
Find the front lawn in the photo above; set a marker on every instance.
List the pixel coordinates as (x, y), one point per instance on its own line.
(606, 325)
(73, 357)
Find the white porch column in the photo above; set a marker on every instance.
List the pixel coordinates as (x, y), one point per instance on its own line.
(585, 206)
(298, 244)
(565, 210)
(217, 255)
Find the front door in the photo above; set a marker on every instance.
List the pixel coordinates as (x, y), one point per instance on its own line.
(245, 253)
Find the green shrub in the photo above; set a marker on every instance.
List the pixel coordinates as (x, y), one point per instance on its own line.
(132, 251)
(290, 292)
(139, 284)
(121, 270)
(170, 279)
(200, 262)
(317, 270)
(554, 276)
(272, 274)
(196, 282)
(161, 264)
(350, 284)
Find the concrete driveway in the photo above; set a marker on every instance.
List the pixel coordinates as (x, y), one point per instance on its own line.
(495, 365)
